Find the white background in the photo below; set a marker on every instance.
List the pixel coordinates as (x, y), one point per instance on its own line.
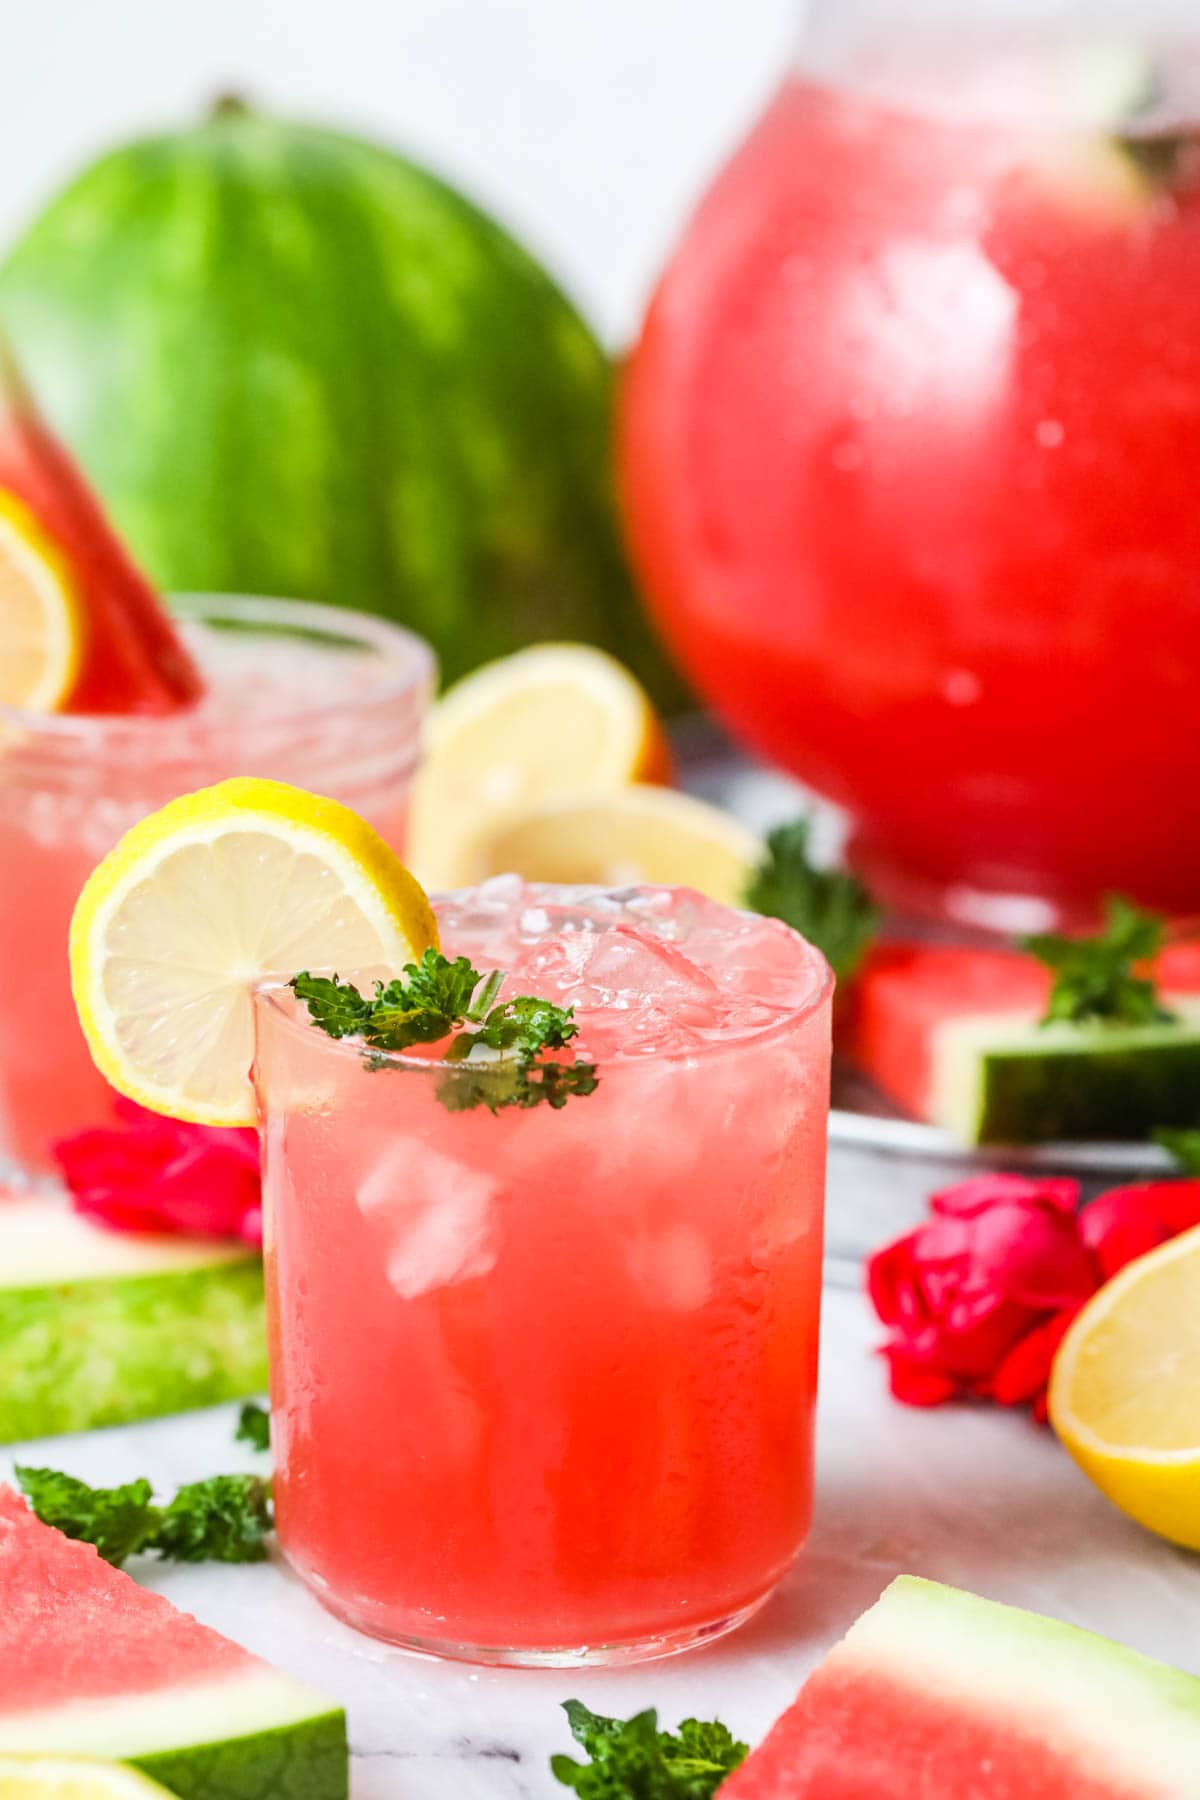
(589, 126)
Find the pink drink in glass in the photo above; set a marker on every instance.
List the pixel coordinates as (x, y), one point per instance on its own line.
(326, 699)
(543, 1381)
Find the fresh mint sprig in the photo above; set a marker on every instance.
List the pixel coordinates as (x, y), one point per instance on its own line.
(434, 999)
(223, 1519)
(631, 1759)
(830, 907)
(1095, 977)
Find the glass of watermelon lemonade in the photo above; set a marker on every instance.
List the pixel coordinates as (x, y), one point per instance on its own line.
(327, 699)
(543, 1380)
(910, 442)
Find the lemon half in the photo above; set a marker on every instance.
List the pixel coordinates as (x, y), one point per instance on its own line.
(1125, 1390)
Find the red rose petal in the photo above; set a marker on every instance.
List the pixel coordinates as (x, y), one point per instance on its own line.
(152, 1174)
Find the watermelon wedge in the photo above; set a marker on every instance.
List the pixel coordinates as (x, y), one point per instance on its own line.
(93, 1665)
(936, 1694)
(98, 1327)
(951, 1034)
(132, 659)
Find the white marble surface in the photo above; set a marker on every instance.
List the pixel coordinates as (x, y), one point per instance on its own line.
(981, 1498)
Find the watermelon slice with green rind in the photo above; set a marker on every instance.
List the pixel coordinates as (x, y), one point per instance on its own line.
(91, 1664)
(935, 1694)
(100, 1327)
(952, 1034)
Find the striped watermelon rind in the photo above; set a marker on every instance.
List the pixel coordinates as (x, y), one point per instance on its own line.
(100, 1327)
(97, 1666)
(941, 1693)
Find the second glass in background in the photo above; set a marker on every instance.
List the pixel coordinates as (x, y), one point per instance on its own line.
(326, 699)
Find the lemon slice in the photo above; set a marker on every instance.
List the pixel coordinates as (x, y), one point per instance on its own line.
(202, 900)
(649, 834)
(552, 720)
(1125, 1390)
(41, 619)
(72, 1778)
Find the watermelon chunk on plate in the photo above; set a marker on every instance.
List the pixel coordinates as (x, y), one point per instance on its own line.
(91, 1664)
(132, 659)
(935, 1694)
(951, 1034)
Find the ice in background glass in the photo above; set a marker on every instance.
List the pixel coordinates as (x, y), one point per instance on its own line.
(910, 445)
(543, 1381)
(328, 700)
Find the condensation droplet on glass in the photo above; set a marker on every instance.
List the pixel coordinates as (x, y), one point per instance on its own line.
(1050, 433)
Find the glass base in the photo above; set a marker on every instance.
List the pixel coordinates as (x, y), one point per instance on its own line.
(564, 1656)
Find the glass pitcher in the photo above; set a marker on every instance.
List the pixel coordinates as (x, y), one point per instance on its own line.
(911, 447)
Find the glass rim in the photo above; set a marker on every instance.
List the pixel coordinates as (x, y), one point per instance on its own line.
(414, 659)
(269, 994)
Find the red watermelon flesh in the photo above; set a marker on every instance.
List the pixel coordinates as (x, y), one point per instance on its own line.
(906, 994)
(935, 1694)
(93, 1664)
(133, 660)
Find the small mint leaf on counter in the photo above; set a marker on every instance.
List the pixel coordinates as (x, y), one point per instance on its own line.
(253, 1426)
(119, 1521)
(631, 1759)
(224, 1519)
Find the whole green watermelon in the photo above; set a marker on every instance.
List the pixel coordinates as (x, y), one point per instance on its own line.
(294, 363)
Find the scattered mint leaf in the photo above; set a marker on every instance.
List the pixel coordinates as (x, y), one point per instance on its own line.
(631, 1759)
(254, 1426)
(436, 999)
(1094, 977)
(119, 1521)
(830, 907)
(223, 1519)
(1183, 1145)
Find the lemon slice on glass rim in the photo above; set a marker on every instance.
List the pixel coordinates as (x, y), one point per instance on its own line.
(41, 618)
(203, 900)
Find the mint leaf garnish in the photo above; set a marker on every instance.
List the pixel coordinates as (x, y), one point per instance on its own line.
(223, 1519)
(1094, 977)
(253, 1426)
(631, 1759)
(830, 907)
(436, 999)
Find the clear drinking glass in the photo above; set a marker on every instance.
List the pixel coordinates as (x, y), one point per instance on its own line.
(327, 699)
(543, 1381)
(910, 444)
